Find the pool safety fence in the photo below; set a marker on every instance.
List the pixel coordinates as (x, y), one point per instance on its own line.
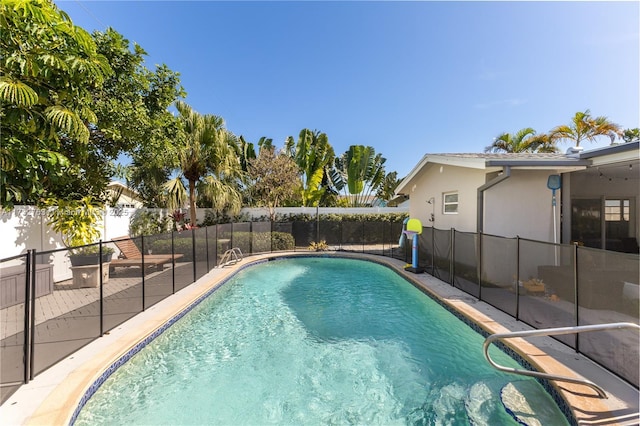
(54, 302)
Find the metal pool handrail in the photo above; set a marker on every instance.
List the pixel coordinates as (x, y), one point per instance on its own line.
(230, 257)
(553, 332)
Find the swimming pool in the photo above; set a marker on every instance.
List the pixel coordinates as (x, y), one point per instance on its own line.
(312, 341)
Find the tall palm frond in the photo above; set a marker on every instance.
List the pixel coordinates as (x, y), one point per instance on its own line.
(208, 158)
(358, 172)
(584, 127)
(524, 140)
(176, 193)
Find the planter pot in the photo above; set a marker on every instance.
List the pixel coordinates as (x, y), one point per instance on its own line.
(89, 275)
(89, 259)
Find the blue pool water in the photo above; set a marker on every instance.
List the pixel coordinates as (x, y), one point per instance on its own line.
(312, 341)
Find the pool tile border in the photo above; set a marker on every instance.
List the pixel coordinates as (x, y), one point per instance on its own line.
(143, 343)
(548, 387)
(387, 262)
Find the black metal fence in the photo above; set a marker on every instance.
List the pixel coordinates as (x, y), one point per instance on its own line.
(547, 285)
(51, 308)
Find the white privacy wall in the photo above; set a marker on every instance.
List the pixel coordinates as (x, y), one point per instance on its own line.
(25, 227)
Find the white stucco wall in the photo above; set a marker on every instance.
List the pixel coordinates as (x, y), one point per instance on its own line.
(521, 206)
(436, 180)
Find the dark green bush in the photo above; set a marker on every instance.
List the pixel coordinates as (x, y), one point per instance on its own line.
(334, 217)
(282, 241)
(260, 243)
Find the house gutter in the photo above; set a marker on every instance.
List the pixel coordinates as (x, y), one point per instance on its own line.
(506, 174)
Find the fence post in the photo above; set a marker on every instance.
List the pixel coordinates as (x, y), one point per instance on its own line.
(479, 265)
(101, 289)
(144, 304)
(576, 295)
(193, 251)
(206, 242)
(26, 349)
(173, 265)
(433, 251)
(518, 278)
(32, 327)
(452, 242)
(383, 240)
(318, 221)
(250, 237)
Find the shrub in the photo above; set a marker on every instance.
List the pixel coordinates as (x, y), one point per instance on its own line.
(145, 222)
(334, 217)
(282, 241)
(215, 218)
(261, 243)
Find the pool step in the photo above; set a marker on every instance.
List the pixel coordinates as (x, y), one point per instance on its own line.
(525, 409)
(480, 403)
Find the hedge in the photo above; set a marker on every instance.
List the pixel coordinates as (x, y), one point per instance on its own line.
(248, 242)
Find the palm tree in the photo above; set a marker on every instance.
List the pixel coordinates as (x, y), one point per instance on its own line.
(387, 188)
(631, 135)
(207, 160)
(313, 154)
(584, 127)
(359, 172)
(525, 140)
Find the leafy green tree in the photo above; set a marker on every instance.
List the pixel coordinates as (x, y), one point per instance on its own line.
(132, 108)
(94, 100)
(132, 111)
(525, 140)
(358, 173)
(584, 127)
(274, 179)
(313, 154)
(247, 152)
(49, 69)
(207, 161)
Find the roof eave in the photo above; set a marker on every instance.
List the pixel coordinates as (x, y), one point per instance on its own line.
(537, 163)
(611, 149)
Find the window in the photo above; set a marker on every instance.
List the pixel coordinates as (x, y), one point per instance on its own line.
(616, 210)
(450, 203)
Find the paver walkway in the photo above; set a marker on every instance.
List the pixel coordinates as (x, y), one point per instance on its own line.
(69, 318)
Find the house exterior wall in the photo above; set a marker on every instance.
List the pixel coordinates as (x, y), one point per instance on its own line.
(518, 206)
(522, 206)
(130, 200)
(436, 180)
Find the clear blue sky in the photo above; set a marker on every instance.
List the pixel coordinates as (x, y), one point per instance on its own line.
(407, 78)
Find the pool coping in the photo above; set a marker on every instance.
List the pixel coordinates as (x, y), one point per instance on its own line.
(56, 395)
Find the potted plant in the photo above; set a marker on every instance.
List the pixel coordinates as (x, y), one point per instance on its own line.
(89, 255)
(77, 222)
(319, 246)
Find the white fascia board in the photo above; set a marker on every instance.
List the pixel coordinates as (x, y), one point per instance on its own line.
(558, 169)
(467, 162)
(614, 158)
(410, 176)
